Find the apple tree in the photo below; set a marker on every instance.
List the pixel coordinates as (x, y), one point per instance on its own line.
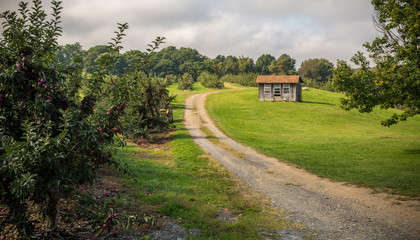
(52, 139)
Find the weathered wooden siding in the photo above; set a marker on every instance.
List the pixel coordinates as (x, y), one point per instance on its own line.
(260, 92)
(299, 93)
(294, 95)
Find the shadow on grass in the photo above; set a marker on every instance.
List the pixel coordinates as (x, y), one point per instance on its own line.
(321, 103)
(180, 136)
(177, 106)
(177, 121)
(187, 136)
(412, 151)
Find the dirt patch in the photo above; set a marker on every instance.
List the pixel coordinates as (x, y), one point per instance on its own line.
(227, 215)
(72, 225)
(228, 85)
(156, 141)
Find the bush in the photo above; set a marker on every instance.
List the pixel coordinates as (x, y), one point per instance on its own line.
(209, 80)
(169, 79)
(144, 114)
(185, 82)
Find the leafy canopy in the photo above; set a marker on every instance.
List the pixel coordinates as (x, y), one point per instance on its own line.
(284, 65)
(317, 69)
(55, 131)
(395, 80)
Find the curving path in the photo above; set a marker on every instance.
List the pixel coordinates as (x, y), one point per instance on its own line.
(332, 210)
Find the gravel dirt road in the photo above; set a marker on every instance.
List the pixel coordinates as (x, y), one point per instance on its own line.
(331, 210)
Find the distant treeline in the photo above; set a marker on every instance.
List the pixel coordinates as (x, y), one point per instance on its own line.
(175, 64)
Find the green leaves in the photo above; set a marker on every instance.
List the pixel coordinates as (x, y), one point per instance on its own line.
(284, 65)
(185, 82)
(209, 80)
(316, 70)
(116, 41)
(22, 186)
(31, 30)
(263, 63)
(394, 81)
(49, 144)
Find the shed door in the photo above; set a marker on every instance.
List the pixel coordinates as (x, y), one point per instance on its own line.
(286, 91)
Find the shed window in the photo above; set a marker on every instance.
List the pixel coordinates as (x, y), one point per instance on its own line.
(267, 88)
(286, 88)
(277, 89)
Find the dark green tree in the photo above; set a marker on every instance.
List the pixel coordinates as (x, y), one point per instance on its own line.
(120, 65)
(133, 59)
(316, 69)
(186, 55)
(192, 67)
(165, 67)
(245, 65)
(220, 58)
(70, 55)
(92, 54)
(230, 65)
(284, 65)
(395, 80)
(263, 63)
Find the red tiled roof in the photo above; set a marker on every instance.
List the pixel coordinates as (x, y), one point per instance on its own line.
(278, 79)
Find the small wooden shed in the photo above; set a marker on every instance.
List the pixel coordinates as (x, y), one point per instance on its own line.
(279, 88)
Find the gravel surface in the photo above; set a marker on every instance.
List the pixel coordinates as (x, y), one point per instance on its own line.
(332, 210)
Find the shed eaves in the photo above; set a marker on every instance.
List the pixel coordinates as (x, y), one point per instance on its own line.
(278, 79)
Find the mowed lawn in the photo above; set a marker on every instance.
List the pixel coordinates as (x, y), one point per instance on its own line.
(319, 136)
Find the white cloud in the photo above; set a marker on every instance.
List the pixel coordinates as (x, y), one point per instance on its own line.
(333, 29)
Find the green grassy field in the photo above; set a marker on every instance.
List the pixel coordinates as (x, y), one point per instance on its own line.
(319, 136)
(180, 181)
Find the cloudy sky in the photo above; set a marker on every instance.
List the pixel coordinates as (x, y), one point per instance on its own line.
(331, 29)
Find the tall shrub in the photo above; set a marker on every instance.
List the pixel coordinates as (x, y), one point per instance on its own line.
(185, 82)
(50, 140)
(144, 114)
(209, 80)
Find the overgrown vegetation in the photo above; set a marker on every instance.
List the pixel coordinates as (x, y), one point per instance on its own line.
(48, 145)
(57, 130)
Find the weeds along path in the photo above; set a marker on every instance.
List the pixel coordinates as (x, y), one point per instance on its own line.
(332, 210)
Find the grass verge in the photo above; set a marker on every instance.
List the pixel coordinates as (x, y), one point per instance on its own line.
(178, 180)
(319, 136)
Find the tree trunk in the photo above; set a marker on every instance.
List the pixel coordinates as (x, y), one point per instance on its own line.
(51, 211)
